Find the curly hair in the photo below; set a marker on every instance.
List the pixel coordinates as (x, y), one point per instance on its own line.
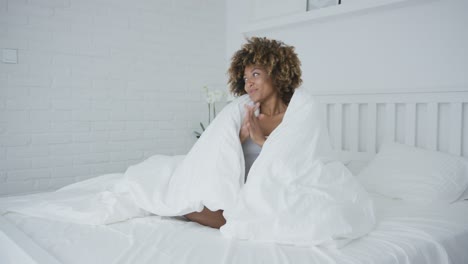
(278, 59)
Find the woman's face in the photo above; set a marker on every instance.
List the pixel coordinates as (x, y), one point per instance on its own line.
(258, 84)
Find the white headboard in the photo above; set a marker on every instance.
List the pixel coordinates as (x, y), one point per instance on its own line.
(360, 122)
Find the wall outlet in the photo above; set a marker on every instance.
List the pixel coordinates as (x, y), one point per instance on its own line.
(10, 56)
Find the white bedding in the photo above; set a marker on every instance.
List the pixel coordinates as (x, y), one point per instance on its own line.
(295, 193)
(405, 233)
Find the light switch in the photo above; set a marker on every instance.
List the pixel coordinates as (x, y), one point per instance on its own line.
(9, 56)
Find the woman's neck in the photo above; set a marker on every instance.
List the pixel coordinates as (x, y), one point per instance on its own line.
(272, 107)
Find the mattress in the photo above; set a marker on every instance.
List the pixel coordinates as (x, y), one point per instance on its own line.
(405, 233)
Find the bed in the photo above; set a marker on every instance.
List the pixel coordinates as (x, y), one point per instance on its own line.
(359, 126)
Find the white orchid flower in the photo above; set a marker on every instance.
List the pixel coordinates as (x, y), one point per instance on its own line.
(211, 97)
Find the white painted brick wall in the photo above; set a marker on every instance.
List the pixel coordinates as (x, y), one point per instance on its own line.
(102, 84)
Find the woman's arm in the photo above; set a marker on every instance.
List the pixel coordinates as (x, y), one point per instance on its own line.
(214, 219)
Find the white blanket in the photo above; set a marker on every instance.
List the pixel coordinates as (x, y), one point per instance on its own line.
(294, 193)
(100, 200)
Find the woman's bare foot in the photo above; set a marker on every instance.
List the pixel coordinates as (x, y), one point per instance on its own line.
(207, 218)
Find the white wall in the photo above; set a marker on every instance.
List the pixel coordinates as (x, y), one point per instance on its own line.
(419, 46)
(102, 84)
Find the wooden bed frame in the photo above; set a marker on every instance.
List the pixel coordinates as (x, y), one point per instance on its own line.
(358, 123)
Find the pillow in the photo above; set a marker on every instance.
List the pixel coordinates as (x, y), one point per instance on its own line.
(415, 174)
(356, 166)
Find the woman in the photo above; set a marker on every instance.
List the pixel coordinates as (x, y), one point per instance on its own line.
(268, 71)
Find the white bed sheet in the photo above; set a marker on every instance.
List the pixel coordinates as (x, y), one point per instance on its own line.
(405, 233)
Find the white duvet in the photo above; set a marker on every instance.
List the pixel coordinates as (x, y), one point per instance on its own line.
(294, 193)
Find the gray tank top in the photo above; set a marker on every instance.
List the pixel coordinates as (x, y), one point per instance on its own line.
(251, 152)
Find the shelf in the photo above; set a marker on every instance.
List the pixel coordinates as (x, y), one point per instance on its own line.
(318, 15)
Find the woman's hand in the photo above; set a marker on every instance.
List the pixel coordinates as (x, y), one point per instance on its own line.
(253, 125)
